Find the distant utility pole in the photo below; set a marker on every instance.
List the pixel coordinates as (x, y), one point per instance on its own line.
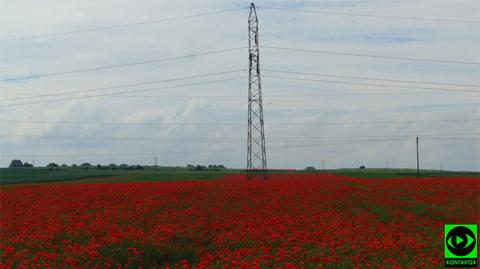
(155, 164)
(418, 161)
(256, 154)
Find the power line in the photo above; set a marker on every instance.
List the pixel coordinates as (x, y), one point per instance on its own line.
(370, 78)
(355, 142)
(210, 151)
(222, 73)
(193, 139)
(213, 96)
(375, 16)
(126, 154)
(187, 152)
(371, 55)
(452, 138)
(171, 139)
(424, 136)
(123, 92)
(219, 52)
(102, 28)
(371, 84)
(270, 96)
(105, 67)
(168, 152)
(285, 123)
(125, 85)
(212, 53)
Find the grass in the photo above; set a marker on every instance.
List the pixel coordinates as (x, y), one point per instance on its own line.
(93, 175)
(40, 174)
(396, 173)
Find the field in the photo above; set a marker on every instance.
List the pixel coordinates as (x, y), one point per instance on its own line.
(93, 175)
(42, 174)
(300, 220)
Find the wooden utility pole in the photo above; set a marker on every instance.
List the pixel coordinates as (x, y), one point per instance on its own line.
(418, 162)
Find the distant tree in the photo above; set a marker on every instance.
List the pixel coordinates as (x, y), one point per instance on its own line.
(27, 165)
(85, 165)
(216, 167)
(15, 164)
(200, 167)
(112, 166)
(124, 166)
(64, 166)
(99, 166)
(190, 166)
(74, 165)
(362, 167)
(138, 167)
(52, 166)
(309, 168)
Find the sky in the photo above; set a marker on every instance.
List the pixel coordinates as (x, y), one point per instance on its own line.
(338, 119)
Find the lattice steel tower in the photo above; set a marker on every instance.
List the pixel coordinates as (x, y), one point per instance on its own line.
(256, 155)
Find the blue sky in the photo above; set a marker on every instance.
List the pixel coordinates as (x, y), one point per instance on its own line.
(299, 114)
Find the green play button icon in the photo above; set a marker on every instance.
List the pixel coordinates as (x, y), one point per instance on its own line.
(458, 240)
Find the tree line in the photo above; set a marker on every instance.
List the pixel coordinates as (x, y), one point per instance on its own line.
(113, 166)
(198, 167)
(52, 165)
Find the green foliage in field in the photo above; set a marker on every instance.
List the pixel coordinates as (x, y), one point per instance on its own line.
(27, 175)
(76, 174)
(93, 175)
(395, 173)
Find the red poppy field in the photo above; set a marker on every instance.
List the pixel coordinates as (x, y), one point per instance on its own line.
(288, 221)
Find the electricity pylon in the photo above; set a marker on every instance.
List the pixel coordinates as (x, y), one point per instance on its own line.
(256, 155)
